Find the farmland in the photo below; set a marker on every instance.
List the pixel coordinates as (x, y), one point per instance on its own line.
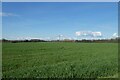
(59, 60)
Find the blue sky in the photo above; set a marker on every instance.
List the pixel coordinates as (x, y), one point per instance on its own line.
(48, 20)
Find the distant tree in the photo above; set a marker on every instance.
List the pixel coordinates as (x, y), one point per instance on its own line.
(26, 40)
(4, 40)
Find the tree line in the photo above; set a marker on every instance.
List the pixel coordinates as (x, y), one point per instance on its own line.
(83, 40)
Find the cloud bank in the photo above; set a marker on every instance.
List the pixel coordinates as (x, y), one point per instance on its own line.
(88, 34)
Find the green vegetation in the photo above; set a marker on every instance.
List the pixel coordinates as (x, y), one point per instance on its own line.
(59, 59)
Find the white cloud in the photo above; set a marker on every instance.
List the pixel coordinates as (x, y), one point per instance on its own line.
(78, 33)
(115, 35)
(88, 33)
(28, 38)
(96, 34)
(7, 14)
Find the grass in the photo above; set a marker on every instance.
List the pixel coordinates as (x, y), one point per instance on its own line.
(59, 60)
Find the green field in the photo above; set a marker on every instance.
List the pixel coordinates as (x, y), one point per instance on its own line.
(60, 59)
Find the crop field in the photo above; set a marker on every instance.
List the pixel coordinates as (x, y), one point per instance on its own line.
(59, 60)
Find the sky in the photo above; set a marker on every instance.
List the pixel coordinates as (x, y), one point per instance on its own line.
(48, 20)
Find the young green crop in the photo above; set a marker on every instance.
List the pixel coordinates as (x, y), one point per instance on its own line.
(59, 60)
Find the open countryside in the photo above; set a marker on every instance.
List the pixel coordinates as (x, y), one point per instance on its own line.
(59, 40)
